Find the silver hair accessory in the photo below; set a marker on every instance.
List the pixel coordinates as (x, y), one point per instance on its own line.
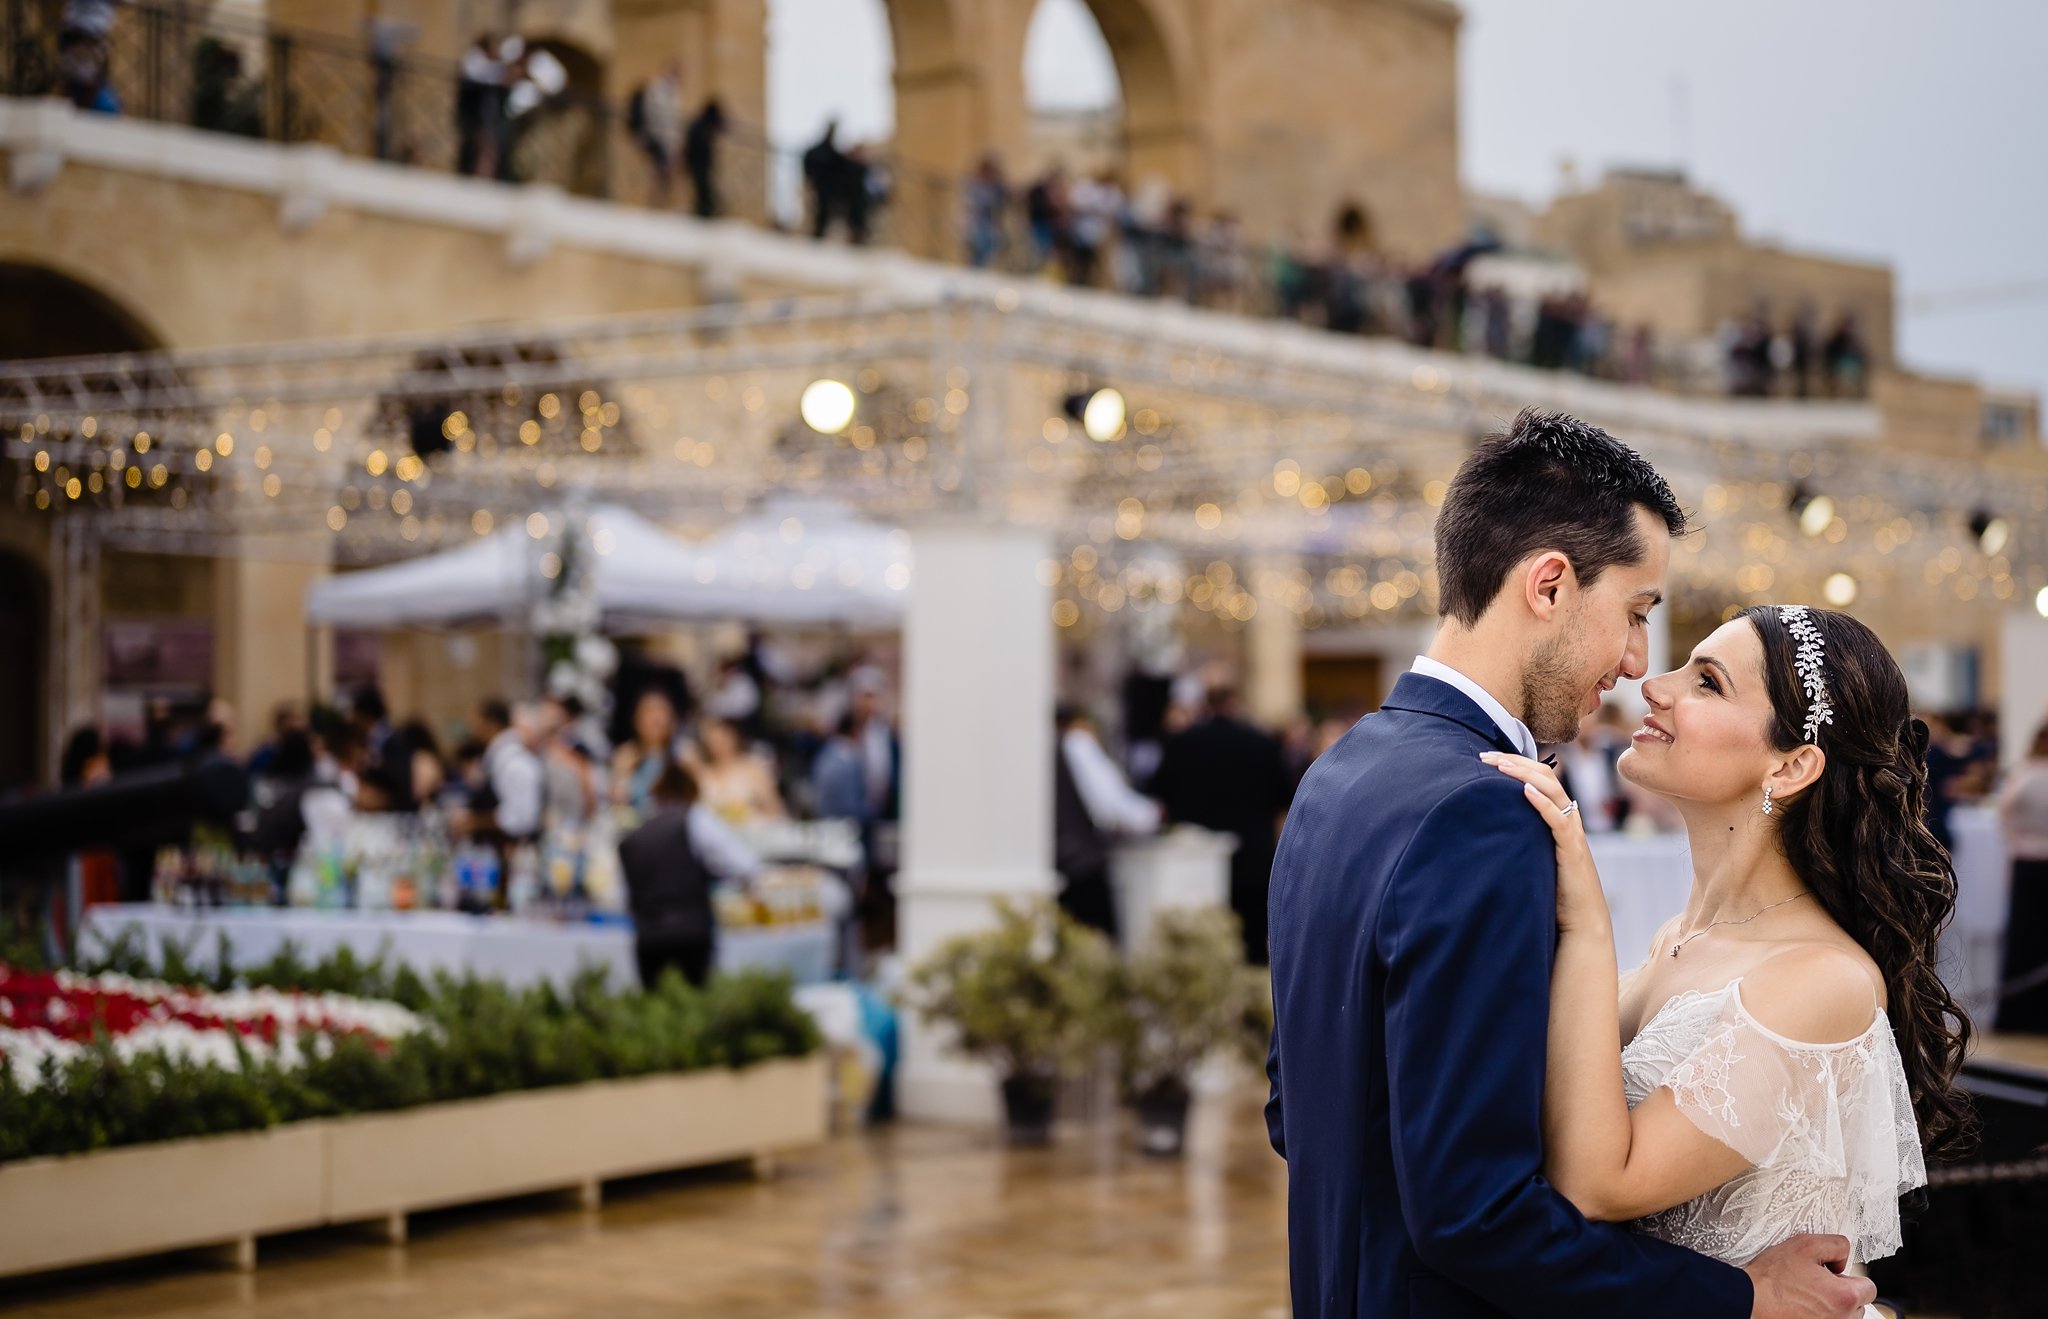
(1808, 663)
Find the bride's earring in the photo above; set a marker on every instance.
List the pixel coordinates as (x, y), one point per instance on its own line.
(1768, 808)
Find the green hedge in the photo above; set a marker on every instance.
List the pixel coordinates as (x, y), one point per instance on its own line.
(484, 1039)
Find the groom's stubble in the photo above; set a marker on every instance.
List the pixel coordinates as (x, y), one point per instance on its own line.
(1552, 690)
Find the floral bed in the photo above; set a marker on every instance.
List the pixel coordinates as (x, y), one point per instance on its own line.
(51, 1019)
(129, 1051)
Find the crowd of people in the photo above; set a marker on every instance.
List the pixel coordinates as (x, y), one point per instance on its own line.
(676, 142)
(502, 80)
(1092, 231)
(1796, 360)
(764, 743)
(845, 186)
(1088, 229)
(84, 55)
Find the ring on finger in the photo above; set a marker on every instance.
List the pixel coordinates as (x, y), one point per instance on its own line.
(1570, 807)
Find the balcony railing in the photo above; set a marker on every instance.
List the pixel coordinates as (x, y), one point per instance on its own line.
(370, 97)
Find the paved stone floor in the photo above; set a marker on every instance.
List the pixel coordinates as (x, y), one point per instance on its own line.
(909, 1221)
(914, 1221)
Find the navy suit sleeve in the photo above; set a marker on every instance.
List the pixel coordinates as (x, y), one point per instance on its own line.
(1274, 1131)
(1467, 938)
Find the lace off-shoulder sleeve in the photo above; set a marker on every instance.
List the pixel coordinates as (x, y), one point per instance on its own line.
(1835, 1121)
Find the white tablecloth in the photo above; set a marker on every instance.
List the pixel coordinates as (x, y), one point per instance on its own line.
(519, 952)
(1646, 880)
(1972, 946)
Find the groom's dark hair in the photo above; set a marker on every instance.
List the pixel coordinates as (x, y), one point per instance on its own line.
(1549, 482)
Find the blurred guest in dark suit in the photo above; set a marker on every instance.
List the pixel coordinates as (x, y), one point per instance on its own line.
(1223, 774)
(671, 863)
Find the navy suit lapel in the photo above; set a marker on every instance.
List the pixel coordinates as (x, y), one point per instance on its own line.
(1421, 694)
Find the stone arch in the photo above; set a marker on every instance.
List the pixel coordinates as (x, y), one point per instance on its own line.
(943, 114)
(47, 311)
(959, 84)
(24, 623)
(1156, 66)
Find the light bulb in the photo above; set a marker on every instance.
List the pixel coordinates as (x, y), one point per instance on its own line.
(1814, 518)
(827, 406)
(1103, 418)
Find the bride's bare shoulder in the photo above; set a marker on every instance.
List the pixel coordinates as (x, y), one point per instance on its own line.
(1815, 991)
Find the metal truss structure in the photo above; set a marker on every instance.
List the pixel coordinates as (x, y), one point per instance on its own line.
(1241, 438)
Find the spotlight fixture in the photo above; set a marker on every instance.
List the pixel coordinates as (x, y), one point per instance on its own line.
(1813, 511)
(1839, 590)
(1991, 531)
(827, 406)
(425, 423)
(1100, 412)
(2041, 603)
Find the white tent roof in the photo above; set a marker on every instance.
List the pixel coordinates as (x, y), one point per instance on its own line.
(813, 563)
(485, 580)
(795, 563)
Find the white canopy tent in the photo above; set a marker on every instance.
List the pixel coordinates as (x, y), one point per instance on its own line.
(808, 564)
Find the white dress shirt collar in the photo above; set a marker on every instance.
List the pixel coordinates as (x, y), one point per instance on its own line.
(1515, 730)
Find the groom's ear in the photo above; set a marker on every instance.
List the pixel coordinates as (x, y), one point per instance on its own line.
(1545, 579)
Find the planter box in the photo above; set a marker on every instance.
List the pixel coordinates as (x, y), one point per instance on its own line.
(541, 1140)
(141, 1199)
(228, 1190)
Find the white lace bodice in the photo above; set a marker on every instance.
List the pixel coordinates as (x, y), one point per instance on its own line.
(1827, 1128)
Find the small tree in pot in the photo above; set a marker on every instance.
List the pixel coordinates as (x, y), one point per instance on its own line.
(1182, 996)
(1028, 997)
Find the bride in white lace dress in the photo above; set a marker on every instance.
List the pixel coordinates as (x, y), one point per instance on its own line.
(1785, 1057)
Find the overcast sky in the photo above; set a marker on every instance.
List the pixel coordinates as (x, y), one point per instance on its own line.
(1893, 130)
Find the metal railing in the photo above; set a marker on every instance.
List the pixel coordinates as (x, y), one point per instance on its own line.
(230, 74)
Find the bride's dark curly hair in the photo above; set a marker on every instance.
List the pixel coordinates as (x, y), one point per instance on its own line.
(1859, 839)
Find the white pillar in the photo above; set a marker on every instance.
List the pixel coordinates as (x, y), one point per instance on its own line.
(1272, 650)
(977, 768)
(2023, 682)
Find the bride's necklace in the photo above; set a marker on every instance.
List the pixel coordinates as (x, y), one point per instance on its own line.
(1744, 921)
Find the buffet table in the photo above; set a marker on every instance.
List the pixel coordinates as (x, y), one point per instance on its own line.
(518, 951)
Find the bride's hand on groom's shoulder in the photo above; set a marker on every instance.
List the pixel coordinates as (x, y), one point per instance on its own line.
(1580, 904)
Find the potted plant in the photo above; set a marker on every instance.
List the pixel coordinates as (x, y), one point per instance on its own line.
(1179, 998)
(1027, 996)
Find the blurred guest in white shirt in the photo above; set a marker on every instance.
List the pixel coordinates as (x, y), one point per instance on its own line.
(513, 775)
(1093, 805)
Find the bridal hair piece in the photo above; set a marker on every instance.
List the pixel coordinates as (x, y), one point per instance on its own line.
(1809, 665)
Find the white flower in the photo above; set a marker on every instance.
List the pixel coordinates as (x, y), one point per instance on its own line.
(597, 656)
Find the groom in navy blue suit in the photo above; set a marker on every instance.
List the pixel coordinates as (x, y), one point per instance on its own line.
(1413, 923)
